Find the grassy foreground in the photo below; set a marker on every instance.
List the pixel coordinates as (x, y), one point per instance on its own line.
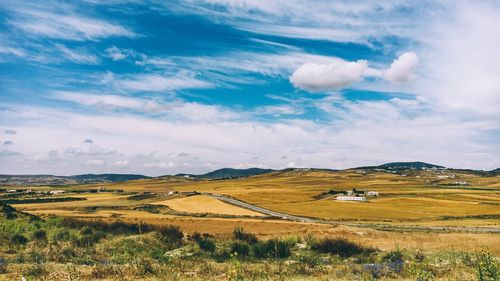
(73, 249)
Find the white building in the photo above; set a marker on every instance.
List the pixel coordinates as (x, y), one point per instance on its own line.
(351, 198)
(11, 190)
(54, 192)
(372, 193)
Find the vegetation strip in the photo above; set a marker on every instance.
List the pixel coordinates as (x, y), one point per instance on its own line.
(40, 200)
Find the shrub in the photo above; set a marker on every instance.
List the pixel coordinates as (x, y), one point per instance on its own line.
(40, 235)
(117, 227)
(86, 241)
(241, 249)
(86, 230)
(272, 248)
(487, 268)
(171, 235)
(240, 234)
(394, 256)
(8, 211)
(19, 239)
(36, 257)
(3, 266)
(62, 235)
(206, 244)
(65, 255)
(341, 247)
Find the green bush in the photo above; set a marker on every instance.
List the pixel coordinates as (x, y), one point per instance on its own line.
(87, 241)
(206, 244)
(171, 235)
(340, 246)
(394, 256)
(272, 249)
(19, 239)
(86, 230)
(487, 268)
(40, 235)
(61, 235)
(240, 248)
(8, 211)
(240, 234)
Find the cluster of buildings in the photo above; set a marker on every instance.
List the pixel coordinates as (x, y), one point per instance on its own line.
(353, 195)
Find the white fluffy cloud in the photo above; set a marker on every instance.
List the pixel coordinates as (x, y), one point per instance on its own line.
(403, 68)
(320, 77)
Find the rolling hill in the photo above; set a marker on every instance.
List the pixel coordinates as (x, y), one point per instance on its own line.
(404, 166)
(19, 180)
(229, 173)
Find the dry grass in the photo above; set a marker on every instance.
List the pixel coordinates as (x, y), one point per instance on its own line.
(412, 200)
(204, 204)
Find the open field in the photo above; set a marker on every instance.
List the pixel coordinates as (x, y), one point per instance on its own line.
(419, 198)
(204, 204)
(403, 220)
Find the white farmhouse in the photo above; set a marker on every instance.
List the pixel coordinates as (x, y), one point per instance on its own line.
(350, 198)
(54, 192)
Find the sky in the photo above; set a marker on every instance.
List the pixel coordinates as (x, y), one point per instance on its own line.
(185, 86)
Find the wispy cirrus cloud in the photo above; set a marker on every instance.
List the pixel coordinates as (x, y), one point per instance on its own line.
(61, 23)
(174, 110)
(339, 21)
(78, 56)
(160, 82)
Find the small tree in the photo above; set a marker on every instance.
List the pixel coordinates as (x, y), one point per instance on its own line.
(171, 235)
(240, 234)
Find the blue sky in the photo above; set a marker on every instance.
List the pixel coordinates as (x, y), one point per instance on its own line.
(189, 86)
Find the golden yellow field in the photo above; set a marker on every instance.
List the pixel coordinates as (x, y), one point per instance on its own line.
(407, 206)
(417, 199)
(203, 204)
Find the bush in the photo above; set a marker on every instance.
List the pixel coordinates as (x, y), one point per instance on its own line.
(62, 235)
(341, 247)
(86, 241)
(171, 235)
(8, 211)
(240, 234)
(117, 227)
(206, 244)
(394, 256)
(40, 235)
(487, 268)
(241, 249)
(86, 230)
(272, 248)
(3, 266)
(19, 239)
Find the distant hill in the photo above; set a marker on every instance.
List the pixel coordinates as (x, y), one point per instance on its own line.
(497, 170)
(227, 173)
(20, 180)
(404, 166)
(107, 177)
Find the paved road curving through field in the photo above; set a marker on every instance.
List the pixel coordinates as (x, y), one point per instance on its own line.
(289, 217)
(245, 205)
